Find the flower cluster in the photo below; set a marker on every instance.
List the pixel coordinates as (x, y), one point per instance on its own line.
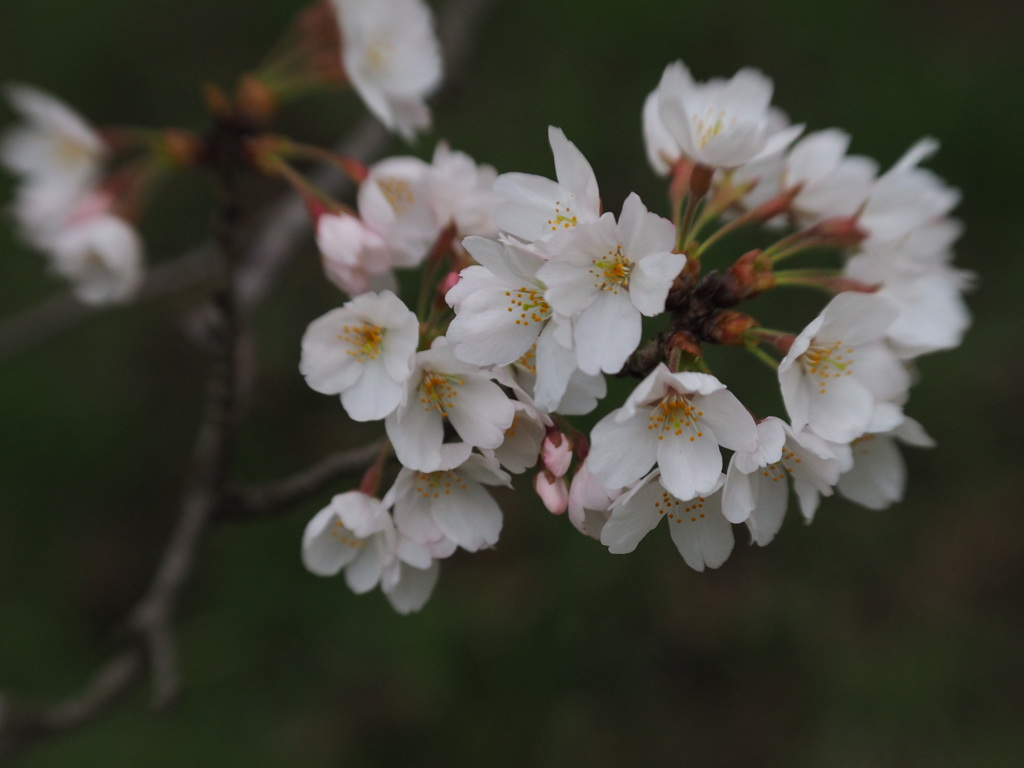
(65, 206)
(544, 293)
(530, 294)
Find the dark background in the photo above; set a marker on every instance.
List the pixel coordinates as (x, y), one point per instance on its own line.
(866, 639)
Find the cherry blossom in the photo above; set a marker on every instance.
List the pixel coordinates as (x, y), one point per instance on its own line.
(363, 351)
(699, 530)
(102, 256)
(536, 208)
(443, 390)
(449, 506)
(354, 256)
(606, 276)
(720, 123)
(679, 421)
(840, 379)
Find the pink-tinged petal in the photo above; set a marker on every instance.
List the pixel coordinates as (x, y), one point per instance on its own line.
(701, 534)
(621, 452)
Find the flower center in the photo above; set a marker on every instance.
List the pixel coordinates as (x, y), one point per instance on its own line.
(530, 303)
(397, 192)
(364, 341)
(438, 392)
(612, 272)
(431, 485)
(676, 414)
(563, 218)
(709, 125)
(694, 509)
(528, 362)
(345, 536)
(825, 363)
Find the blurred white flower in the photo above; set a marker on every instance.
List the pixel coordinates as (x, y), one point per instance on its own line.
(392, 58)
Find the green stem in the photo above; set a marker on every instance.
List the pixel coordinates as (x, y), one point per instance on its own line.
(764, 357)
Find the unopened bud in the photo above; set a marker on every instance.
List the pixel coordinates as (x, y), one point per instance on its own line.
(447, 284)
(552, 491)
(730, 328)
(556, 453)
(255, 98)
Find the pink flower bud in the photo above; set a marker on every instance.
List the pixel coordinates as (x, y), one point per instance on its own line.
(552, 491)
(448, 283)
(556, 453)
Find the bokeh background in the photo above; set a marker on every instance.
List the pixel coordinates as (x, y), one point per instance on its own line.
(865, 639)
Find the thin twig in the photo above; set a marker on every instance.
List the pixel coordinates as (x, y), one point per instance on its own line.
(277, 498)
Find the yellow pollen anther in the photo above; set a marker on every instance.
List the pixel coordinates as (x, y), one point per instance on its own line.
(364, 341)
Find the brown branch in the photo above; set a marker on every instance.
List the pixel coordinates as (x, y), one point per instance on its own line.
(59, 314)
(277, 498)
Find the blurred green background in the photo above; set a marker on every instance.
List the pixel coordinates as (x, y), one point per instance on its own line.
(866, 639)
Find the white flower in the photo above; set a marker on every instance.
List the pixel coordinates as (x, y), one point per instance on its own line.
(461, 192)
(929, 297)
(351, 533)
(606, 276)
(364, 352)
(522, 444)
(840, 379)
(699, 530)
(678, 420)
(444, 389)
(355, 532)
(756, 491)
(55, 147)
(102, 256)
(394, 200)
(392, 58)
(450, 506)
(831, 182)
(878, 476)
(536, 208)
(499, 304)
(720, 123)
(907, 197)
(354, 256)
